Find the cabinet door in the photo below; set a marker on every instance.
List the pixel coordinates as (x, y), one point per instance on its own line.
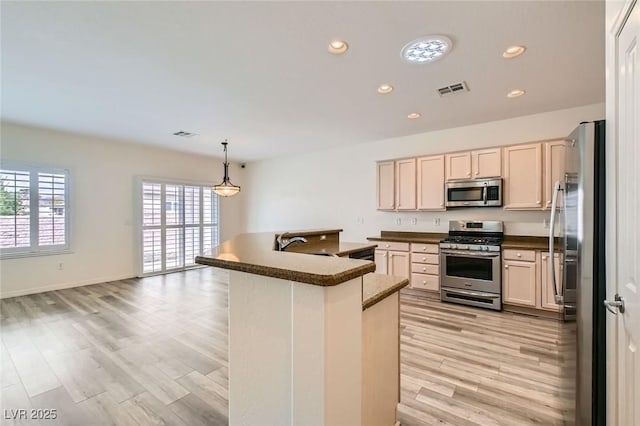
(399, 264)
(519, 283)
(548, 293)
(523, 177)
(486, 163)
(406, 184)
(386, 185)
(458, 165)
(380, 258)
(431, 183)
(554, 168)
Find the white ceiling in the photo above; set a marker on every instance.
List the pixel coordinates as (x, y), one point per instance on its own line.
(259, 73)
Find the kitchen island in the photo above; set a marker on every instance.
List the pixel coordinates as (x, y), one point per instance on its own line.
(313, 340)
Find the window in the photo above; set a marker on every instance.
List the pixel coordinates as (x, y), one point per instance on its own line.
(34, 207)
(179, 222)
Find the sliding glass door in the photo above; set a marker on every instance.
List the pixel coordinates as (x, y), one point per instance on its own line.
(179, 222)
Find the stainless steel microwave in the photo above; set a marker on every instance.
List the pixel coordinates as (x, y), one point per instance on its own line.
(474, 193)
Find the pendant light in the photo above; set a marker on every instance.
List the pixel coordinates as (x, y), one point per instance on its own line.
(226, 188)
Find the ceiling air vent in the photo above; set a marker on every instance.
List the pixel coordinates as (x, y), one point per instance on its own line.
(184, 134)
(453, 88)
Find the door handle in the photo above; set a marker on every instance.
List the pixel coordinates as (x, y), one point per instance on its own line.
(616, 306)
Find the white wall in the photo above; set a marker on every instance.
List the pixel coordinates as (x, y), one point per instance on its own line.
(102, 203)
(333, 188)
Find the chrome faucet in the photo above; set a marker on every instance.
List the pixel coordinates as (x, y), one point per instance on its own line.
(284, 242)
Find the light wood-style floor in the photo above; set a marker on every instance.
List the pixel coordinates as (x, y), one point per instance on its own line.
(153, 351)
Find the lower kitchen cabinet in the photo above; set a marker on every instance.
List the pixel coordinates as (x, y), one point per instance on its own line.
(519, 278)
(526, 279)
(392, 258)
(425, 267)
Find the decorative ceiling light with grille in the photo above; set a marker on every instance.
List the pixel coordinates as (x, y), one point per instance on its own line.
(226, 188)
(426, 49)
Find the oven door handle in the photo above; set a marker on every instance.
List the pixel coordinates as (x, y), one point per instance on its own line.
(472, 293)
(470, 253)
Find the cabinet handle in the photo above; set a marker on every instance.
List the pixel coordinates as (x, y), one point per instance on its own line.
(424, 249)
(384, 255)
(441, 204)
(519, 255)
(468, 174)
(548, 201)
(386, 245)
(424, 282)
(544, 257)
(390, 255)
(424, 269)
(506, 266)
(477, 172)
(424, 259)
(538, 201)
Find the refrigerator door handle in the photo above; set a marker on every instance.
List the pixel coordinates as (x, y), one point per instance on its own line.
(552, 228)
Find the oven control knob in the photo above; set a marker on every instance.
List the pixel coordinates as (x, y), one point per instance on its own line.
(485, 248)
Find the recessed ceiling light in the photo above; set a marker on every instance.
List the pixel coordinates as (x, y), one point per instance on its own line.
(338, 46)
(385, 88)
(515, 93)
(426, 49)
(513, 51)
(414, 115)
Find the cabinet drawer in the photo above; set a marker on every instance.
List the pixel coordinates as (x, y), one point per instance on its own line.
(425, 268)
(425, 282)
(525, 255)
(390, 245)
(433, 259)
(425, 248)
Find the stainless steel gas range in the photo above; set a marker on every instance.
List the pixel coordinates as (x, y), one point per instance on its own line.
(470, 264)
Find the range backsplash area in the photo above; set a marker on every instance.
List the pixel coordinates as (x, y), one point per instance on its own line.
(515, 222)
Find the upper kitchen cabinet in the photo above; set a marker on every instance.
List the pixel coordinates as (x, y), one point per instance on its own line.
(523, 177)
(458, 165)
(486, 163)
(483, 163)
(406, 184)
(554, 168)
(386, 185)
(431, 182)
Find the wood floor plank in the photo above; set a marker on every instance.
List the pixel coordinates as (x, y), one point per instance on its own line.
(154, 351)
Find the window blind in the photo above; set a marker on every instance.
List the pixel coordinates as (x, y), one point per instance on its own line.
(179, 222)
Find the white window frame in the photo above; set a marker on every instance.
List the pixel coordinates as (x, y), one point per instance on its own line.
(34, 248)
(140, 228)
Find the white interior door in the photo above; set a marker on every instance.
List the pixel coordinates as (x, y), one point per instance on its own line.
(627, 264)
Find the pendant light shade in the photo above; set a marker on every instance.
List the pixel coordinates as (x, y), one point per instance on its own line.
(226, 188)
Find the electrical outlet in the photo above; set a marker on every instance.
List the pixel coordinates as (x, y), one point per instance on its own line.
(545, 223)
(360, 220)
(398, 221)
(436, 221)
(414, 220)
(60, 266)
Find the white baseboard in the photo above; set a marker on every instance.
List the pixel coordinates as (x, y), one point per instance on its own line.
(24, 292)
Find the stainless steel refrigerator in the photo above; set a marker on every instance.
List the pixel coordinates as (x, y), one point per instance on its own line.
(577, 225)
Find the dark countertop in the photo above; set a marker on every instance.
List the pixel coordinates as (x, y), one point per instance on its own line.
(410, 237)
(510, 241)
(526, 242)
(331, 247)
(376, 287)
(254, 254)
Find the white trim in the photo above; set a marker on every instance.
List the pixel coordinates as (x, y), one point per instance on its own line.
(82, 283)
(22, 254)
